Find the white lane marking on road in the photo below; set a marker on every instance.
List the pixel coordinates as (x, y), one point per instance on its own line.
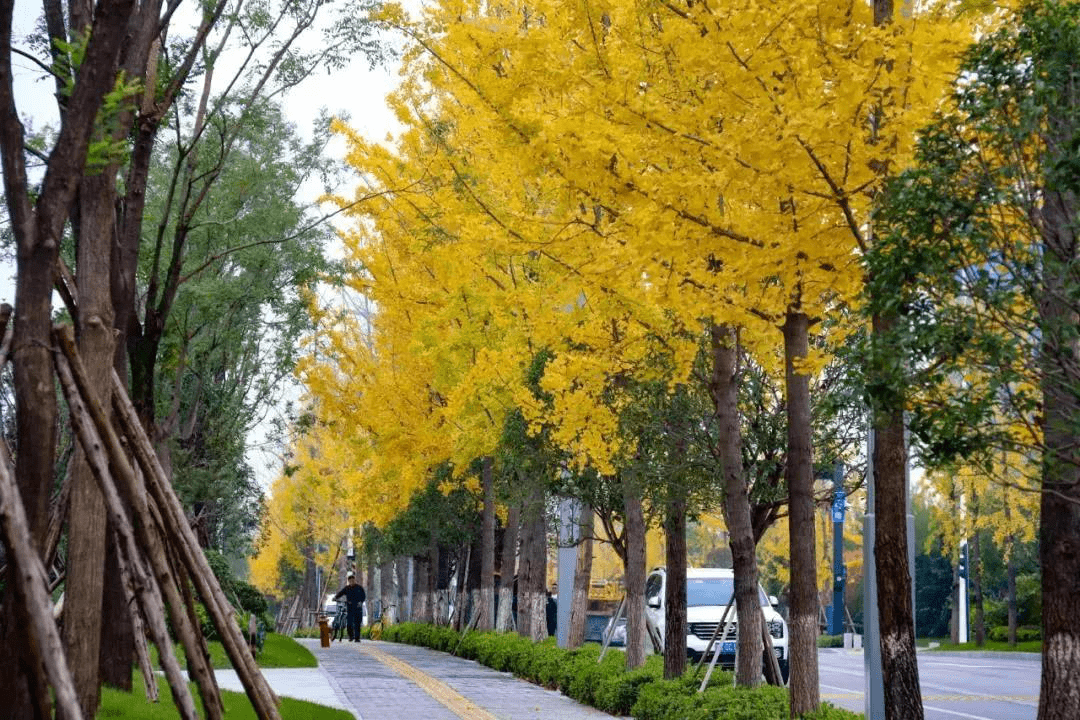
(944, 688)
(841, 689)
(954, 712)
(972, 665)
(971, 693)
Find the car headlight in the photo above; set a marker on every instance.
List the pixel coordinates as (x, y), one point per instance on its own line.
(776, 628)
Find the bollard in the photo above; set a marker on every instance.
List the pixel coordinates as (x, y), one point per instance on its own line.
(324, 631)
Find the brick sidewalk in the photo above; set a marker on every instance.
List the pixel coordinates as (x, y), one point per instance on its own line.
(388, 681)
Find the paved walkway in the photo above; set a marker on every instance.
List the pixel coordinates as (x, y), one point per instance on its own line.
(387, 681)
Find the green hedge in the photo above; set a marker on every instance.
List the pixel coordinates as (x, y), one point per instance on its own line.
(1024, 633)
(641, 693)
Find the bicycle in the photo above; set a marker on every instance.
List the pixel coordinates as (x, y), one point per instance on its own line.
(375, 630)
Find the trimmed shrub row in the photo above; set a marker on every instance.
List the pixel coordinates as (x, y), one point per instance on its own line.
(1024, 633)
(641, 693)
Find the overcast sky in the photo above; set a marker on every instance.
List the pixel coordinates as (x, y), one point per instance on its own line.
(356, 91)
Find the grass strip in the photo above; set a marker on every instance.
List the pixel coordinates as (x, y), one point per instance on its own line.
(120, 704)
(278, 651)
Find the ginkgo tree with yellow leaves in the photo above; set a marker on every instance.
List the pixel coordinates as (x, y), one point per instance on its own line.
(745, 174)
(602, 180)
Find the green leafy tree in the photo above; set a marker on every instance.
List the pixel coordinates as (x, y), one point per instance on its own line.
(979, 258)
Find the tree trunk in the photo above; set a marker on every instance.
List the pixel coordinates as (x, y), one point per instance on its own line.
(369, 583)
(675, 588)
(423, 608)
(900, 673)
(487, 552)
(579, 603)
(404, 593)
(1059, 522)
(724, 390)
(474, 577)
(975, 563)
(635, 576)
(1010, 574)
(507, 570)
(87, 527)
(118, 639)
(387, 597)
(954, 614)
(802, 647)
(532, 576)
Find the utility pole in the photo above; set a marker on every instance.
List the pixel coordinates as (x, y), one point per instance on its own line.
(874, 693)
(962, 593)
(569, 531)
(836, 622)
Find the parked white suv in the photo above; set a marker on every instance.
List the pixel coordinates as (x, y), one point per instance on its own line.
(708, 591)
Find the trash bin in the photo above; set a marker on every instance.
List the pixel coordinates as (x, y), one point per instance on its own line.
(324, 631)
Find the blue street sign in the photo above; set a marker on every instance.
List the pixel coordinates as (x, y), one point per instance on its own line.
(839, 498)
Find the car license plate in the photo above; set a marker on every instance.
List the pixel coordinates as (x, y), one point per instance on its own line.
(727, 647)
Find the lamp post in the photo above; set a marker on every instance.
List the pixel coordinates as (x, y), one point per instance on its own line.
(569, 528)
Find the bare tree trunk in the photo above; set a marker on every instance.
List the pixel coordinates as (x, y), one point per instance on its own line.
(422, 606)
(579, 603)
(675, 588)
(724, 390)
(900, 674)
(1010, 575)
(87, 527)
(118, 634)
(369, 583)
(805, 692)
(975, 562)
(1059, 522)
(404, 590)
(532, 578)
(635, 576)
(387, 597)
(487, 552)
(508, 569)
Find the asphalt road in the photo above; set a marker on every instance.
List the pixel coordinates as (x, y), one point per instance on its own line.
(955, 686)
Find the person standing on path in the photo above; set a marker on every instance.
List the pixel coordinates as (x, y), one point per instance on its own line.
(354, 606)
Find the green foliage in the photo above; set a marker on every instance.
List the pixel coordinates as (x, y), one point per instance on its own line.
(616, 692)
(249, 598)
(933, 594)
(1024, 633)
(831, 712)
(224, 574)
(642, 693)
(830, 641)
(959, 232)
(450, 518)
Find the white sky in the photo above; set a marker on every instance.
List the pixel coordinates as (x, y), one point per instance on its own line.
(356, 91)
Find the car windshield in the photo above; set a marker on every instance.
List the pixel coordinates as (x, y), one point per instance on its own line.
(714, 591)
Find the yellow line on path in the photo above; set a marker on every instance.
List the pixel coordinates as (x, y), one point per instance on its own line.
(459, 705)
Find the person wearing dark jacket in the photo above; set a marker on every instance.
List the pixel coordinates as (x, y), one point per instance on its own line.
(354, 606)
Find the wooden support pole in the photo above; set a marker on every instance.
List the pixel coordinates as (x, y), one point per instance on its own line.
(183, 538)
(131, 559)
(142, 653)
(25, 568)
(115, 464)
(27, 574)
